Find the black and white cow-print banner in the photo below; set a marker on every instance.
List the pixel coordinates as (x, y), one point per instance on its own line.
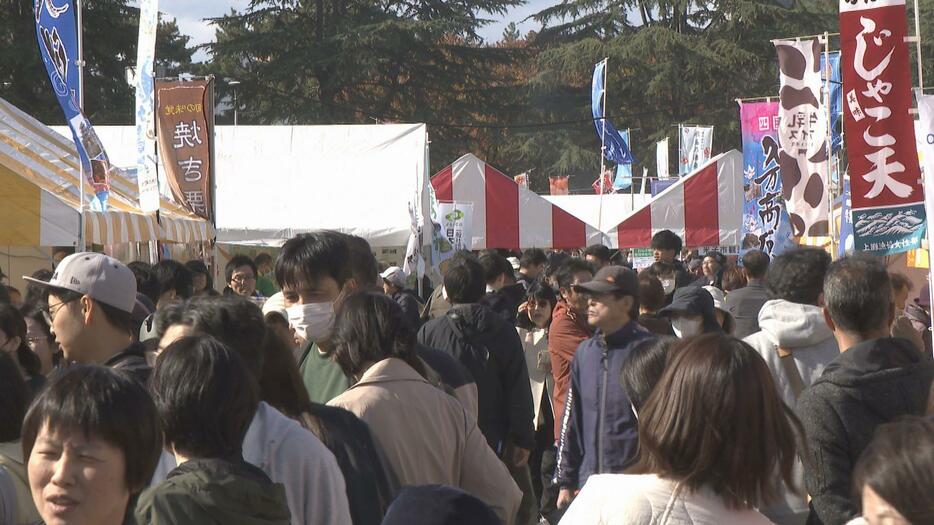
(803, 137)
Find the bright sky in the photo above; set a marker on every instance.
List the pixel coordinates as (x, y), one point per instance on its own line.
(189, 15)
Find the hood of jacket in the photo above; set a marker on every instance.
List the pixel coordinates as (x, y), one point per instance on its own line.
(793, 325)
(694, 300)
(478, 322)
(234, 491)
(879, 372)
(437, 505)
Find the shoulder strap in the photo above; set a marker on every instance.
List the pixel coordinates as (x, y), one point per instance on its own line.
(787, 359)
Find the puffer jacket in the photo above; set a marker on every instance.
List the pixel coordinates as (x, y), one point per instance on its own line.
(490, 349)
(598, 432)
(872, 383)
(209, 491)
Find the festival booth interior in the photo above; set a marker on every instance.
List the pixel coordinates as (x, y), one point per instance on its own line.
(705, 208)
(506, 215)
(39, 176)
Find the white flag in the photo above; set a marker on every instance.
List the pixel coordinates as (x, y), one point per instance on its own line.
(661, 159)
(694, 147)
(924, 136)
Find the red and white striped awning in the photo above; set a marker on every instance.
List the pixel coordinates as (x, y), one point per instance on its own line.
(506, 215)
(705, 208)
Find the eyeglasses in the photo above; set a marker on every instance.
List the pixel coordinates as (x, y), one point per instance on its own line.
(51, 311)
(36, 339)
(240, 279)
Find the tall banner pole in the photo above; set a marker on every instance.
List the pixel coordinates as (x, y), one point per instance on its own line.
(82, 241)
(606, 62)
(832, 227)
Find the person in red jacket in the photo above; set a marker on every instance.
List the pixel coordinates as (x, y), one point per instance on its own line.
(568, 329)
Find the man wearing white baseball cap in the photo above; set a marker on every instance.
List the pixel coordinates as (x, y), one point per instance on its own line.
(90, 311)
(394, 286)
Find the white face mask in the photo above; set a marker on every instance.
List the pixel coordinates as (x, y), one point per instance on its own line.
(668, 285)
(685, 327)
(313, 321)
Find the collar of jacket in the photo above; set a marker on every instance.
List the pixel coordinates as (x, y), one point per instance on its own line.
(874, 355)
(389, 369)
(217, 467)
(135, 350)
(572, 315)
(621, 337)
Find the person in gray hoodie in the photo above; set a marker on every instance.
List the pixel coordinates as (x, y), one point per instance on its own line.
(796, 343)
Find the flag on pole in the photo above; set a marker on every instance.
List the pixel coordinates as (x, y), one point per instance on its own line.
(661, 159)
(623, 178)
(146, 177)
(615, 148)
(607, 181)
(694, 145)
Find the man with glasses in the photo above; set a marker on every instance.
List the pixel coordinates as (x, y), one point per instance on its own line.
(241, 275)
(90, 311)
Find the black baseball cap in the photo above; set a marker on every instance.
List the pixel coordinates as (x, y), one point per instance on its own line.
(611, 279)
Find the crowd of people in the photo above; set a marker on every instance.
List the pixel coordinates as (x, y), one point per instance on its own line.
(524, 388)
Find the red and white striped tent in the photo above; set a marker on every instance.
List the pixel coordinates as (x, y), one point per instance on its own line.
(705, 208)
(506, 215)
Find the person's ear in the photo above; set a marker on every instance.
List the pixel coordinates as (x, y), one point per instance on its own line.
(88, 310)
(827, 318)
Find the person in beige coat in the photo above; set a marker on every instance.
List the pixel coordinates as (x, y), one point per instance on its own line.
(423, 435)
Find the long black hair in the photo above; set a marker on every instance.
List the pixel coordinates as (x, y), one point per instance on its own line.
(13, 325)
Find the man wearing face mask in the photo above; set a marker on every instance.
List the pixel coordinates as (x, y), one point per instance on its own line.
(314, 273)
(599, 433)
(666, 245)
(692, 313)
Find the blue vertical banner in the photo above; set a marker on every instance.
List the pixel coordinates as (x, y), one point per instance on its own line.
(623, 179)
(615, 148)
(56, 31)
(836, 98)
(146, 176)
(766, 225)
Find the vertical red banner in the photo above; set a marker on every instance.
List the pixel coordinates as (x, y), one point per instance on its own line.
(888, 199)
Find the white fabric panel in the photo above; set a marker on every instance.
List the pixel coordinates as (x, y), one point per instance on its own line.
(668, 210)
(730, 197)
(468, 176)
(595, 236)
(535, 220)
(275, 181)
(616, 207)
(58, 224)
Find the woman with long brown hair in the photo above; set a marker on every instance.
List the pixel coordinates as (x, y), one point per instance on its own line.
(716, 442)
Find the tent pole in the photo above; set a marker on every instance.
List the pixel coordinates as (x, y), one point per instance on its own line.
(602, 149)
(82, 240)
(828, 138)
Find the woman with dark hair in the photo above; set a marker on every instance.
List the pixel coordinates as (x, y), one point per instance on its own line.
(41, 340)
(424, 435)
(894, 476)
(13, 340)
(644, 367)
(348, 438)
(201, 278)
(715, 442)
(92, 438)
(534, 321)
(14, 400)
(206, 398)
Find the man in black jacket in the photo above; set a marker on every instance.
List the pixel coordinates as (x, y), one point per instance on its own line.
(745, 303)
(876, 379)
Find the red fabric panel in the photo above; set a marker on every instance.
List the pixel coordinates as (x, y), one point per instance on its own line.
(443, 183)
(701, 210)
(636, 231)
(567, 231)
(502, 210)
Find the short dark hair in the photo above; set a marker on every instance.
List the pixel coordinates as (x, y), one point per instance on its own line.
(197, 267)
(37, 295)
(599, 251)
(533, 257)
(146, 281)
(733, 279)
(13, 324)
(651, 293)
(119, 319)
(238, 261)
(797, 275)
(363, 265)
(858, 294)
(667, 240)
(231, 319)
(716, 420)
(898, 464)
(206, 397)
(370, 327)
(105, 403)
(494, 265)
(173, 275)
(314, 255)
(644, 366)
(570, 268)
(756, 263)
(900, 281)
(263, 258)
(464, 280)
(660, 268)
(14, 399)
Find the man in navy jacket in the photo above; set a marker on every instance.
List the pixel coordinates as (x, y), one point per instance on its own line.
(598, 433)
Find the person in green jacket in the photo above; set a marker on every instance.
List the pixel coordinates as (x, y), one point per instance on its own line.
(264, 266)
(206, 398)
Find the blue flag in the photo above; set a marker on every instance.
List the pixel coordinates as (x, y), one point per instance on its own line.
(56, 31)
(616, 149)
(836, 100)
(623, 179)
